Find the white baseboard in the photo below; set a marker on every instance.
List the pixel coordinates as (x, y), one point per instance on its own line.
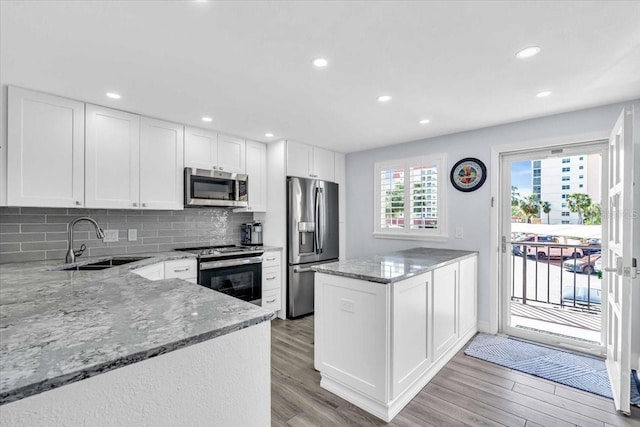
(387, 411)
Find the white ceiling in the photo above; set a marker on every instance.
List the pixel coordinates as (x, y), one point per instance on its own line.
(248, 64)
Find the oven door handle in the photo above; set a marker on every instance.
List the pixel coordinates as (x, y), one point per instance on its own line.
(230, 263)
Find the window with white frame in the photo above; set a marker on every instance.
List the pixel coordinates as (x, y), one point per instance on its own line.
(410, 198)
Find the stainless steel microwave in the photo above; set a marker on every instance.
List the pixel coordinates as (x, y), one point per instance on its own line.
(215, 188)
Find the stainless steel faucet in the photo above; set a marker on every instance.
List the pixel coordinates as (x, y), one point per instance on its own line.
(71, 254)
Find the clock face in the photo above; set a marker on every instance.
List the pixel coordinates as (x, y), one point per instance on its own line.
(468, 174)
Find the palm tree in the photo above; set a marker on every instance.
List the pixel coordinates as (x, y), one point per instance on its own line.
(546, 208)
(530, 206)
(579, 202)
(515, 196)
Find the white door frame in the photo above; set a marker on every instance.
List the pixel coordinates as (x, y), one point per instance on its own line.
(563, 150)
(496, 184)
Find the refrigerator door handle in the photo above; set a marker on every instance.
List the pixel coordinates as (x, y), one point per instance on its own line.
(319, 219)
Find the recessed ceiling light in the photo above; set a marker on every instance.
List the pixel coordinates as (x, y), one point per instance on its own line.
(320, 62)
(384, 98)
(424, 121)
(113, 95)
(544, 94)
(268, 135)
(528, 52)
(207, 119)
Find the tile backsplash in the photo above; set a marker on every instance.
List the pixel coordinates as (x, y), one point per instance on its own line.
(33, 234)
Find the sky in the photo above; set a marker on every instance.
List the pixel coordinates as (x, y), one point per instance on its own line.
(521, 177)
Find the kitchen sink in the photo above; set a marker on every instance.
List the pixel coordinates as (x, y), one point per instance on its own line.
(108, 263)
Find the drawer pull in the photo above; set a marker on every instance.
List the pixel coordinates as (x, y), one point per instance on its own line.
(271, 278)
(180, 270)
(271, 259)
(271, 301)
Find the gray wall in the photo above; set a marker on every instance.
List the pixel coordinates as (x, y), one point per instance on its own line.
(30, 234)
(472, 211)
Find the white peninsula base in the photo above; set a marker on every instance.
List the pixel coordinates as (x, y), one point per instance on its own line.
(224, 381)
(378, 344)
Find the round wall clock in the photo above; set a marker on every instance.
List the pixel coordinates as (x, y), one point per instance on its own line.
(468, 174)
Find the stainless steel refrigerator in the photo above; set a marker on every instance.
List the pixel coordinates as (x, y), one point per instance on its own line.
(312, 237)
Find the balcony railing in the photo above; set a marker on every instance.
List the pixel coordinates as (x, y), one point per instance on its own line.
(562, 275)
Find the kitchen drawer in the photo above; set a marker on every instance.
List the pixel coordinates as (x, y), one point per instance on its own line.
(181, 269)
(271, 258)
(271, 299)
(271, 277)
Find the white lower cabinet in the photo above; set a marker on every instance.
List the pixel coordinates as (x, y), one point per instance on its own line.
(377, 345)
(272, 280)
(151, 272)
(186, 269)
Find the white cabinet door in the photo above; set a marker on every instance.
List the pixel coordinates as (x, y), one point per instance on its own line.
(186, 269)
(410, 321)
(231, 157)
(467, 286)
(200, 148)
(445, 305)
(45, 153)
(299, 159)
(112, 158)
(257, 171)
(161, 164)
(323, 164)
(152, 272)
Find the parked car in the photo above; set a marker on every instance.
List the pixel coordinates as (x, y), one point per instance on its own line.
(595, 296)
(543, 252)
(598, 265)
(584, 265)
(516, 250)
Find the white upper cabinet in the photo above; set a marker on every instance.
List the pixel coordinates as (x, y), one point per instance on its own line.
(323, 164)
(231, 154)
(45, 153)
(112, 158)
(132, 162)
(308, 161)
(205, 149)
(257, 172)
(161, 160)
(200, 148)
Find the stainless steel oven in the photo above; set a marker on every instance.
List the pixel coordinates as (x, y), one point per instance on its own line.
(215, 188)
(239, 277)
(233, 270)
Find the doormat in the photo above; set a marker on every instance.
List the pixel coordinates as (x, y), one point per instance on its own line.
(574, 370)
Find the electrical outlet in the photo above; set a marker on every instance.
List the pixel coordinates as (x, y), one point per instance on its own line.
(459, 232)
(110, 236)
(132, 234)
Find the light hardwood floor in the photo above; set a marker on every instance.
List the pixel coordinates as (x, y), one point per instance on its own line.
(467, 392)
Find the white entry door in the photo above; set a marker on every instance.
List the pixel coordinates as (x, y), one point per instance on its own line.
(621, 268)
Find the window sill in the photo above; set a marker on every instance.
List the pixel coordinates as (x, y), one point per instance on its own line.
(409, 236)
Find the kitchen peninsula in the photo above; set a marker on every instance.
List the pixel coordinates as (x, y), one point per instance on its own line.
(80, 347)
(385, 325)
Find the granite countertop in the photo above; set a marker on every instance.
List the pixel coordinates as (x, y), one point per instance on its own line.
(394, 266)
(57, 327)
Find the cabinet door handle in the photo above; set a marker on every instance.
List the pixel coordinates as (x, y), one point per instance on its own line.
(312, 175)
(271, 259)
(215, 168)
(134, 204)
(271, 278)
(144, 205)
(221, 168)
(180, 270)
(271, 301)
(78, 203)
